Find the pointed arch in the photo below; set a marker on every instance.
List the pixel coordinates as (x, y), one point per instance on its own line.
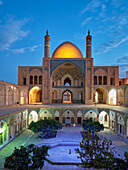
(33, 116)
(112, 97)
(67, 96)
(104, 118)
(68, 117)
(100, 95)
(35, 95)
(91, 114)
(67, 78)
(3, 132)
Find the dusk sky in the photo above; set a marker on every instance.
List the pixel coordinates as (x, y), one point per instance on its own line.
(23, 24)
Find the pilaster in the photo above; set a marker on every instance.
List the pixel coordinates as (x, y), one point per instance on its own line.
(46, 81)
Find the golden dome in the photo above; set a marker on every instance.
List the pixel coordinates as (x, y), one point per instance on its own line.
(67, 50)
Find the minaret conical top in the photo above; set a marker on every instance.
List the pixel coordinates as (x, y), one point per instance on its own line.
(47, 32)
(88, 31)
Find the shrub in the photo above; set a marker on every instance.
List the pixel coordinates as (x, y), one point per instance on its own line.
(27, 157)
(45, 127)
(92, 125)
(98, 154)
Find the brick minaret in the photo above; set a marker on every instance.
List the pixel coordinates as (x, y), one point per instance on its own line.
(47, 45)
(89, 71)
(88, 45)
(46, 70)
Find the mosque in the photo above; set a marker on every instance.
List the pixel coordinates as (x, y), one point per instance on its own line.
(67, 77)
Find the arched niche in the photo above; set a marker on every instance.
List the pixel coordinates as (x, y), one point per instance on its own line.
(33, 116)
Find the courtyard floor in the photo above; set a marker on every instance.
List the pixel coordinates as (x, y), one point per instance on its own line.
(66, 135)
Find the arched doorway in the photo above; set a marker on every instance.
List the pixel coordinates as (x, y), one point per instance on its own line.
(54, 96)
(120, 97)
(72, 78)
(33, 116)
(68, 117)
(100, 96)
(35, 95)
(3, 132)
(104, 118)
(18, 123)
(67, 82)
(45, 115)
(67, 97)
(126, 96)
(79, 117)
(25, 116)
(120, 124)
(91, 115)
(24, 97)
(112, 120)
(56, 115)
(11, 127)
(112, 97)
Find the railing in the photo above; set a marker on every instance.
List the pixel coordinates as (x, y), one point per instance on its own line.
(73, 101)
(67, 86)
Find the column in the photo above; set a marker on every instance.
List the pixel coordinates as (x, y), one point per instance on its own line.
(21, 121)
(75, 116)
(28, 119)
(60, 118)
(82, 115)
(53, 114)
(19, 95)
(5, 95)
(115, 122)
(13, 96)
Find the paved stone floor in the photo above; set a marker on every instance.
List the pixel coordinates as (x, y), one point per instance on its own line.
(67, 134)
(118, 142)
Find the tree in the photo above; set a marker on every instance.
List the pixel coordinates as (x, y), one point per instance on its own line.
(92, 125)
(29, 157)
(45, 128)
(95, 153)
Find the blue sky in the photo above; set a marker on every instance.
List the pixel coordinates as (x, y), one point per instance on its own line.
(23, 24)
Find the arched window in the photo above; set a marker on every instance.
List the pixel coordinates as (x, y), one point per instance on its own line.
(81, 83)
(67, 98)
(67, 82)
(105, 80)
(35, 79)
(40, 79)
(24, 81)
(31, 79)
(95, 80)
(112, 81)
(100, 80)
(119, 82)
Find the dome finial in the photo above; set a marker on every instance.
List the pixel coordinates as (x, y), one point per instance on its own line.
(47, 32)
(88, 31)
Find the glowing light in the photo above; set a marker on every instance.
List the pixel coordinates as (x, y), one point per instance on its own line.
(34, 95)
(21, 100)
(36, 87)
(67, 97)
(33, 117)
(67, 50)
(1, 130)
(96, 97)
(112, 97)
(127, 81)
